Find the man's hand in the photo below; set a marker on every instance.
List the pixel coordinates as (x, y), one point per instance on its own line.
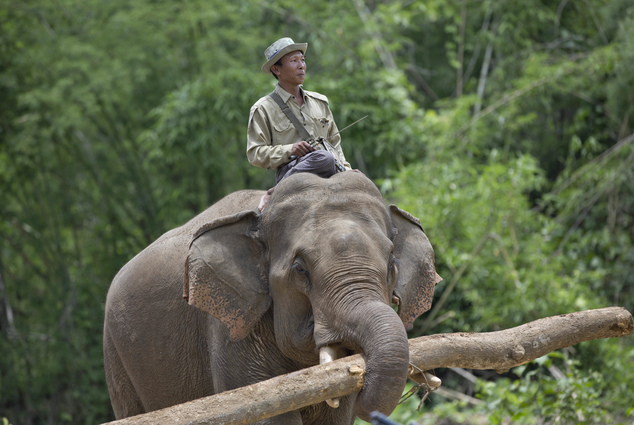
(301, 148)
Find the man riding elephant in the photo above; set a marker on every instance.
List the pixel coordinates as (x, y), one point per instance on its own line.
(283, 124)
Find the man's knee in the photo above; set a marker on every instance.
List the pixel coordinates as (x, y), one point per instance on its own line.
(320, 162)
(323, 164)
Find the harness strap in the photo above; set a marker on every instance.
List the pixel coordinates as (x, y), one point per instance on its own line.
(304, 134)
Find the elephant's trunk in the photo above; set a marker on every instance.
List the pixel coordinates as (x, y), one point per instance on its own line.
(382, 337)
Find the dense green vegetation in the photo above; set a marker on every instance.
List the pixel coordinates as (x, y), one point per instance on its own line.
(507, 127)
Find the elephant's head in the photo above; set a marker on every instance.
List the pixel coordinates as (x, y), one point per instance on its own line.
(329, 257)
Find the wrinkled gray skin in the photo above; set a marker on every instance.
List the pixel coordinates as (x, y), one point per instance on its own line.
(319, 267)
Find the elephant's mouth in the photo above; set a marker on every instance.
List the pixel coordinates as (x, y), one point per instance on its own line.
(338, 350)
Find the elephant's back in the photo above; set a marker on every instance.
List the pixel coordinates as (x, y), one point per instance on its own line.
(164, 259)
(231, 204)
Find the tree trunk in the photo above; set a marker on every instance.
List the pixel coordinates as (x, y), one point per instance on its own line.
(491, 350)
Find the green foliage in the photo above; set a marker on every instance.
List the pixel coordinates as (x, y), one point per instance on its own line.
(505, 126)
(554, 389)
(536, 396)
(406, 412)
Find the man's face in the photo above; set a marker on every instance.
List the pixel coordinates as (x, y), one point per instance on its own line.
(293, 69)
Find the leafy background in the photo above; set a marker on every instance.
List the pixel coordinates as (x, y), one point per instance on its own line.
(507, 127)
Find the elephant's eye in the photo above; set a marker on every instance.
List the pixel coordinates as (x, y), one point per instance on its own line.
(303, 277)
(299, 268)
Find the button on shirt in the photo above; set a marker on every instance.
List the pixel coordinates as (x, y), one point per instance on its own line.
(271, 135)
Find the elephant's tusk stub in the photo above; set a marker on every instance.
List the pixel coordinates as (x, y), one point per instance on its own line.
(327, 355)
(432, 380)
(424, 379)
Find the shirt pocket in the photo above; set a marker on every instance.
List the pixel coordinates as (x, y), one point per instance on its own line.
(321, 126)
(284, 132)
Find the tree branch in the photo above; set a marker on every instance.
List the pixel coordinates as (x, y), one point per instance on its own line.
(492, 350)
(366, 17)
(461, 41)
(8, 311)
(484, 72)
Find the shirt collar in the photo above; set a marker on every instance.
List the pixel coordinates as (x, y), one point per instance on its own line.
(286, 95)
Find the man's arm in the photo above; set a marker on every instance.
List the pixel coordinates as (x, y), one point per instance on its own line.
(260, 150)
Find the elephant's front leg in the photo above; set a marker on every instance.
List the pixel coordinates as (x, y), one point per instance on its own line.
(256, 358)
(322, 414)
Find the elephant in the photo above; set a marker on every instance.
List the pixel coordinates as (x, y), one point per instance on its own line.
(236, 296)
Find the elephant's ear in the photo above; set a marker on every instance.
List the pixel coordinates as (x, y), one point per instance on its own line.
(224, 273)
(417, 275)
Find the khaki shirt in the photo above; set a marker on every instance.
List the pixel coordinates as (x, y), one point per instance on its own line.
(271, 135)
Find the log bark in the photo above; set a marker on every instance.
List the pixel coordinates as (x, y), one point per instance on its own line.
(505, 349)
(492, 350)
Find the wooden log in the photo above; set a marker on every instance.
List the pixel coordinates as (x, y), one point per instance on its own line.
(512, 347)
(265, 399)
(491, 350)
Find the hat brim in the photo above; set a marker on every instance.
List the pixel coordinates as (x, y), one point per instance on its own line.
(266, 68)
